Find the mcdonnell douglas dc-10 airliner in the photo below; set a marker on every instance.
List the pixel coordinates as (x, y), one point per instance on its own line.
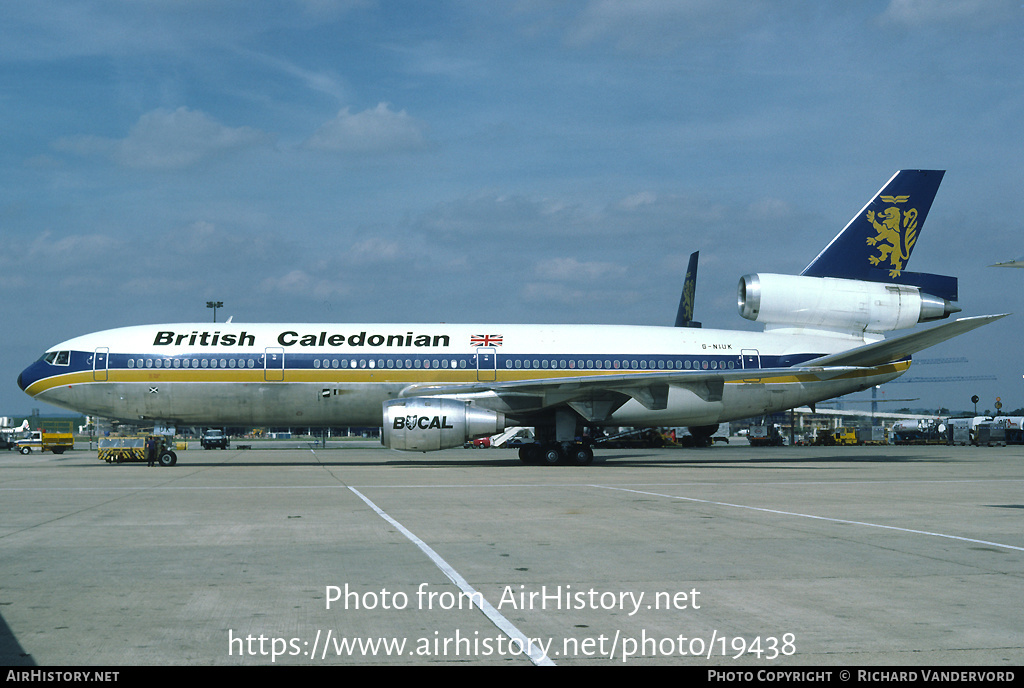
(436, 386)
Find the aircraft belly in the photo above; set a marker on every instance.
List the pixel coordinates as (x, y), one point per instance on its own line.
(693, 407)
(227, 403)
(684, 407)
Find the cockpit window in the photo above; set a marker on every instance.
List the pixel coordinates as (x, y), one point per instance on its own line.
(58, 358)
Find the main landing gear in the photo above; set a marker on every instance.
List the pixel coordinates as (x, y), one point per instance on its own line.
(552, 453)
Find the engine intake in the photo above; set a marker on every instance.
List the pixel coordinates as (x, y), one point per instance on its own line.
(428, 423)
(829, 303)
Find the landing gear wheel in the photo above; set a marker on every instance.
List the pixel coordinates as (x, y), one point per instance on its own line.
(168, 458)
(552, 455)
(529, 454)
(581, 455)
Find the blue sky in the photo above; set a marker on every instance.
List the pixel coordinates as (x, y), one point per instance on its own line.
(499, 161)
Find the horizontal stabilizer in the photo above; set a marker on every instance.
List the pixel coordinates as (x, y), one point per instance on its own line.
(943, 286)
(898, 348)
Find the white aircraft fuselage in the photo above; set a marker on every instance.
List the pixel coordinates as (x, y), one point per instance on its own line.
(330, 374)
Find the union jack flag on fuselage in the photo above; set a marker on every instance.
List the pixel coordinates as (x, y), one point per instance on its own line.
(485, 340)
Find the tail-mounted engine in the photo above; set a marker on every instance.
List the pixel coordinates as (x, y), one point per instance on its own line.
(829, 303)
(429, 423)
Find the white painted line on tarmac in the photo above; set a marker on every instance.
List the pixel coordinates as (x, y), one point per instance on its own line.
(478, 486)
(818, 518)
(535, 653)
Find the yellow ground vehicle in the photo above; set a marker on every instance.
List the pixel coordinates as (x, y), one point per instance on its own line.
(845, 436)
(122, 449)
(57, 442)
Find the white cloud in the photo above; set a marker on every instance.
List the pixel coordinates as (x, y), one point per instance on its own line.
(378, 130)
(920, 12)
(572, 270)
(64, 251)
(300, 283)
(332, 8)
(637, 200)
(166, 139)
(655, 25)
(375, 250)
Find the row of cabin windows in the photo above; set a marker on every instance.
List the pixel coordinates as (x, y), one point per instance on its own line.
(634, 364)
(590, 364)
(390, 363)
(191, 363)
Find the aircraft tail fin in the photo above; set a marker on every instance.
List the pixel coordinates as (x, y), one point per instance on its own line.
(876, 244)
(684, 316)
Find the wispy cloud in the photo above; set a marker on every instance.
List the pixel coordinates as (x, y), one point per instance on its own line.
(654, 26)
(168, 139)
(962, 13)
(380, 130)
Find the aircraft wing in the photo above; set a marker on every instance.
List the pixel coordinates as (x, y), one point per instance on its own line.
(624, 380)
(597, 396)
(897, 348)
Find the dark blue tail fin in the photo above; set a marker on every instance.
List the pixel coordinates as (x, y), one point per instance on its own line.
(876, 244)
(684, 316)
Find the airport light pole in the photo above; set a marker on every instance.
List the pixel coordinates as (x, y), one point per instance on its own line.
(214, 305)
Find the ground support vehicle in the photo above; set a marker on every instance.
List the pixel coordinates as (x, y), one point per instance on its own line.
(990, 434)
(1014, 428)
(963, 431)
(874, 434)
(844, 436)
(642, 438)
(215, 439)
(765, 436)
(127, 449)
(56, 442)
(920, 432)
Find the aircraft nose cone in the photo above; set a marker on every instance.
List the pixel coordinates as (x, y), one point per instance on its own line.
(27, 377)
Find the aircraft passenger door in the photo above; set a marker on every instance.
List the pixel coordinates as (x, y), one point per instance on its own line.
(99, 363)
(751, 359)
(486, 364)
(273, 364)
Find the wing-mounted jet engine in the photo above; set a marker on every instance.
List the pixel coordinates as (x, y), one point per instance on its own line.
(430, 423)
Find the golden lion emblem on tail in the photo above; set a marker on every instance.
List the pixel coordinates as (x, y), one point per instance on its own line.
(897, 232)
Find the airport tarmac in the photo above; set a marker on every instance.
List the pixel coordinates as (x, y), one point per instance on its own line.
(910, 556)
